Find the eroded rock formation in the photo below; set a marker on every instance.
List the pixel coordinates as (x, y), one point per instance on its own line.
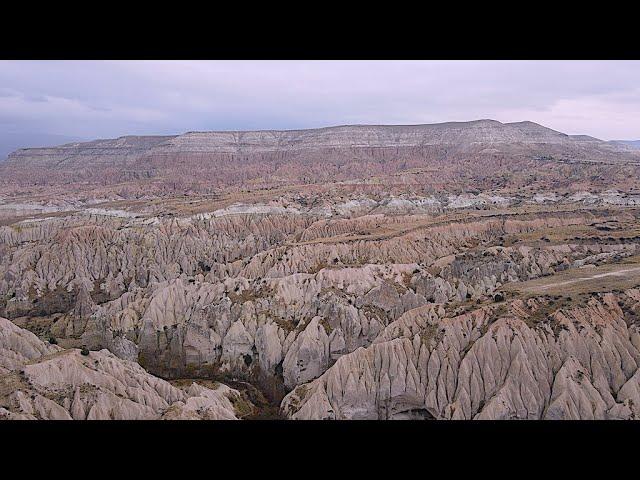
(42, 381)
(352, 272)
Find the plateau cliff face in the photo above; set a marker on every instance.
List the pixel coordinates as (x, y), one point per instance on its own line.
(459, 134)
(221, 159)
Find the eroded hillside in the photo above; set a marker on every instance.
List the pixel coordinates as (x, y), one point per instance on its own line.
(409, 287)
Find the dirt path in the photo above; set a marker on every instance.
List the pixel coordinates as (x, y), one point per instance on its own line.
(617, 273)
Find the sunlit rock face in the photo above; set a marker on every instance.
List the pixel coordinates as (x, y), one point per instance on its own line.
(472, 270)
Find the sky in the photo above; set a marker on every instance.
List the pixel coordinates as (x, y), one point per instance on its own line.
(106, 99)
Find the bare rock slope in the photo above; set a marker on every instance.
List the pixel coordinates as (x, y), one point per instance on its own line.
(527, 362)
(464, 270)
(42, 381)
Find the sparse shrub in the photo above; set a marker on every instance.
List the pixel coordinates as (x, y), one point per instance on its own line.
(53, 341)
(84, 351)
(498, 297)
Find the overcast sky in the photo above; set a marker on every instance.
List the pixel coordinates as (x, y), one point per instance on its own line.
(98, 99)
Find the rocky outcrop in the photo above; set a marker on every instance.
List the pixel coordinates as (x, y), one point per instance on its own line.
(528, 361)
(227, 296)
(42, 381)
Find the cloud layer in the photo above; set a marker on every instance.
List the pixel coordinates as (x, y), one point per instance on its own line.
(97, 99)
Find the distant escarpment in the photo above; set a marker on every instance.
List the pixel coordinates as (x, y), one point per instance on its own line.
(441, 153)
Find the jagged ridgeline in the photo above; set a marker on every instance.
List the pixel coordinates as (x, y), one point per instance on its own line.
(472, 270)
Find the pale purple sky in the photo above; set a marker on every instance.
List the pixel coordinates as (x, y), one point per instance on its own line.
(98, 99)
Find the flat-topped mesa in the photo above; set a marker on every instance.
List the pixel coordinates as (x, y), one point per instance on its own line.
(108, 152)
(260, 141)
(205, 160)
(366, 136)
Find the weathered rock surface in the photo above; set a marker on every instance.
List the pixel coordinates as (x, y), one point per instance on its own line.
(529, 361)
(182, 297)
(462, 270)
(42, 381)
